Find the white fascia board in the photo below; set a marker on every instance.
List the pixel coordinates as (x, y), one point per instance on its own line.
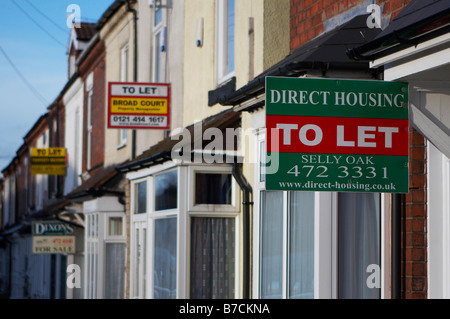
(411, 51)
(144, 172)
(414, 66)
(430, 130)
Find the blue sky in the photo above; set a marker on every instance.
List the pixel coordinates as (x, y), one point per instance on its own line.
(34, 35)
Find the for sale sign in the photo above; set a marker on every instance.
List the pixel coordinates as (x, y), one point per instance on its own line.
(336, 135)
(138, 105)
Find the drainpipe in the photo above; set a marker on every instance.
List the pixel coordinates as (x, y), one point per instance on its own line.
(247, 204)
(396, 246)
(133, 131)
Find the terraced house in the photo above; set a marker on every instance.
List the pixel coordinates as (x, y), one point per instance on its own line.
(186, 209)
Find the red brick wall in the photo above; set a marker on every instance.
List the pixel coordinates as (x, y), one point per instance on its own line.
(95, 62)
(414, 221)
(308, 16)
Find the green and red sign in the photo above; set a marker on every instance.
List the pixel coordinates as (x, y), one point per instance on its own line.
(336, 135)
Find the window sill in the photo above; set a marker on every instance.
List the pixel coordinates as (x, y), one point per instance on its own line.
(121, 146)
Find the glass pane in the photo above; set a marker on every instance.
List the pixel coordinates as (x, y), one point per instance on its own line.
(141, 198)
(115, 226)
(166, 191)
(144, 262)
(157, 57)
(262, 162)
(165, 274)
(301, 245)
(212, 188)
(230, 37)
(137, 261)
(358, 245)
(115, 270)
(158, 16)
(271, 244)
(212, 258)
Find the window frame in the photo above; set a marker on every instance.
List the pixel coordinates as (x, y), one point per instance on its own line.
(183, 213)
(124, 77)
(222, 74)
(216, 169)
(89, 129)
(158, 59)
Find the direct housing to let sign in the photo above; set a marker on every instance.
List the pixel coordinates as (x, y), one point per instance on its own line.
(336, 135)
(138, 105)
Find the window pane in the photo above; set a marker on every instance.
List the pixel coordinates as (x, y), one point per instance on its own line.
(262, 162)
(271, 244)
(166, 191)
(137, 253)
(141, 198)
(115, 270)
(115, 226)
(359, 244)
(212, 258)
(158, 16)
(212, 188)
(157, 57)
(230, 37)
(301, 245)
(165, 274)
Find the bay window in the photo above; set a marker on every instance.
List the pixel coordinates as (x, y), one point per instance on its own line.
(190, 248)
(105, 255)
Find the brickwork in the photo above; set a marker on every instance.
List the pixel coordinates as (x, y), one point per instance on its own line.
(308, 16)
(414, 221)
(95, 62)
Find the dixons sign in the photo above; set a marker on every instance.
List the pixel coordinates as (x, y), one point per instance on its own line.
(52, 237)
(336, 135)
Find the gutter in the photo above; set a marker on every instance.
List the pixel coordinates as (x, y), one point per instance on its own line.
(247, 204)
(146, 162)
(400, 39)
(291, 69)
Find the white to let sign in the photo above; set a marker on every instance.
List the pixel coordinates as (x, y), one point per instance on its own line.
(138, 105)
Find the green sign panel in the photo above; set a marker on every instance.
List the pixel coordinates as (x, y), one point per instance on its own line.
(51, 228)
(336, 135)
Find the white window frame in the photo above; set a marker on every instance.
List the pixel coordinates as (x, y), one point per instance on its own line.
(124, 63)
(138, 221)
(438, 223)
(96, 243)
(124, 76)
(222, 42)
(325, 238)
(92, 245)
(158, 58)
(89, 128)
(184, 212)
(193, 170)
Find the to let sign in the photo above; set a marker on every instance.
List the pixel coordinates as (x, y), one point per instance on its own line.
(336, 135)
(138, 105)
(48, 161)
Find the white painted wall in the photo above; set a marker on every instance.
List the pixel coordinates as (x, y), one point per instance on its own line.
(73, 101)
